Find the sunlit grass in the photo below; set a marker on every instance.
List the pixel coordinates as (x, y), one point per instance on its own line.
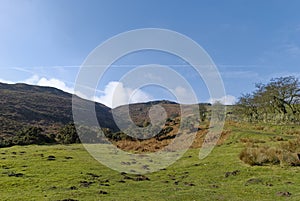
(60, 172)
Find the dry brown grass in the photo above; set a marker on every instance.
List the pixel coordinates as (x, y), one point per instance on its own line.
(288, 153)
(148, 145)
(251, 140)
(155, 144)
(260, 155)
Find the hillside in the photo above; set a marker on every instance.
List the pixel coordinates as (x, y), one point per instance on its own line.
(24, 106)
(139, 112)
(49, 108)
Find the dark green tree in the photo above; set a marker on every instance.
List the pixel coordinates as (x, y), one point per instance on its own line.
(68, 134)
(31, 135)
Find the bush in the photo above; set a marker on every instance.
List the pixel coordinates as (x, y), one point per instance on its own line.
(260, 156)
(5, 142)
(290, 159)
(292, 146)
(68, 135)
(287, 154)
(27, 136)
(31, 135)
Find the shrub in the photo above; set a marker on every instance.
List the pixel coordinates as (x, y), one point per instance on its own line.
(287, 154)
(5, 142)
(259, 156)
(291, 146)
(290, 159)
(30, 135)
(68, 135)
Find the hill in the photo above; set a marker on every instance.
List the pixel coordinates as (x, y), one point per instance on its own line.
(25, 105)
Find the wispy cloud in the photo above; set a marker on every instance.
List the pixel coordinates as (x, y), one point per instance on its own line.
(239, 74)
(285, 50)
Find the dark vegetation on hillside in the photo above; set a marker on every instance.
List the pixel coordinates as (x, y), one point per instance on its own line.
(36, 135)
(40, 115)
(26, 107)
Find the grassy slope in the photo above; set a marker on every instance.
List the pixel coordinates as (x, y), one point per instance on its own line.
(51, 180)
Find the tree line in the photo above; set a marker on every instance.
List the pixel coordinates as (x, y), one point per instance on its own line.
(278, 101)
(35, 135)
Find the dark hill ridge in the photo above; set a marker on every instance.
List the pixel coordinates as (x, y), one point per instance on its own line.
(20, 87)
(27, 105)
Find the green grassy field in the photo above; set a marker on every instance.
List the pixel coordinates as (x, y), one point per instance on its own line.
(61, 172)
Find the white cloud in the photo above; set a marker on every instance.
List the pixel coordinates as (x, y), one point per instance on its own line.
(53, 83)
(184, 96)
(6, 81)
(36, 80)
(32, 80)
(116, 94)
(225, 100)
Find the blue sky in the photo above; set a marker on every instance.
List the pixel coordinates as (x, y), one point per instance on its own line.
(45, 42)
